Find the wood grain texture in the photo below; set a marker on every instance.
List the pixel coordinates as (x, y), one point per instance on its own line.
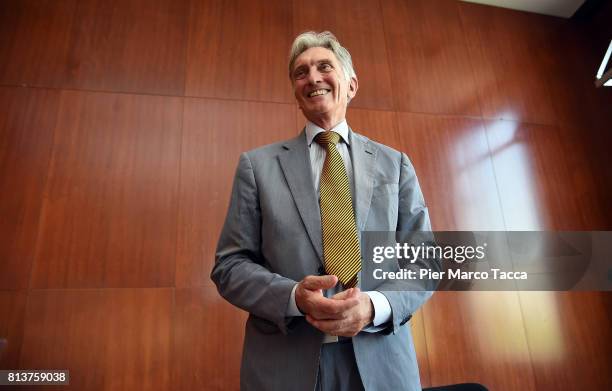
(511, 55)
(12, 312)
(478, 337)
(453, 164)
(430, 66)
(27, 120)
(208, 337)
(35, 38)
(379, 126)
(126, 46)
(544, 177)
(584, 109)
(581, 184)
(129, 46)
(569, 338)
(215, 133)
(110, 211)
(357, 25)
(575, 100)
(238, 49)
(109, 339)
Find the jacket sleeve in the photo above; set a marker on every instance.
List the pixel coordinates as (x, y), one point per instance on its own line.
(405, 297)
(238, 272)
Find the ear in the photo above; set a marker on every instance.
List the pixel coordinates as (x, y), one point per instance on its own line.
(353, 87)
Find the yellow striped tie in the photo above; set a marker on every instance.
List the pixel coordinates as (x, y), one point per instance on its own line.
(340, 243)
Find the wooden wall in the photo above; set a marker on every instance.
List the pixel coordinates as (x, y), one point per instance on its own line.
(121, 123)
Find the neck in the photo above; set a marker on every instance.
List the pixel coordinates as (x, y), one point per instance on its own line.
(326, 122)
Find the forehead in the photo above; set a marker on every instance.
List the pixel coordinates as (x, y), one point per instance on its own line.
(314, 55)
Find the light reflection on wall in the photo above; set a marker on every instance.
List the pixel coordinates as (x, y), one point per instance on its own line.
(499, 328)
(473, 180)
(515, 167)
(546, 342)
(502, 333)
(514, 170)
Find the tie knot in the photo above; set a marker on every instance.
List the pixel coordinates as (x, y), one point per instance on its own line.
(326, 138)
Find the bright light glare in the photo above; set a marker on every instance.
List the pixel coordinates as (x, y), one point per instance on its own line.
(602, 67)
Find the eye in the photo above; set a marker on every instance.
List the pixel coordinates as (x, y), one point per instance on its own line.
(325, 67)
(299, 74)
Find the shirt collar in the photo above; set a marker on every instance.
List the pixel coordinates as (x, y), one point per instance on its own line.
(312, 130)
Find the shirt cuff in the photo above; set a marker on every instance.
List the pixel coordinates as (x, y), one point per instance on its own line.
(292, 308)
(382, 308)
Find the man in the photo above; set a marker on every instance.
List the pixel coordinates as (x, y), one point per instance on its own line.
(289, 251)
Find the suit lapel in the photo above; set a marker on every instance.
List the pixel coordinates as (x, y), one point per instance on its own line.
(363, 155)
(295, 163)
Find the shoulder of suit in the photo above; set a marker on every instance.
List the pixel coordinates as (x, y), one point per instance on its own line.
(269, 150)
(381, 148)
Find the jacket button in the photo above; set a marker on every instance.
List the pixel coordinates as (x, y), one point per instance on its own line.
(321, 270)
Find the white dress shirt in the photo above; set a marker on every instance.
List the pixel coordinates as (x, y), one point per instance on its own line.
(382, 308)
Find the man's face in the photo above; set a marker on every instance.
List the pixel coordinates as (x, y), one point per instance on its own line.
(320, 86)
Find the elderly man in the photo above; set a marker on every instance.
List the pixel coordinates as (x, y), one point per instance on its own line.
(290, 254)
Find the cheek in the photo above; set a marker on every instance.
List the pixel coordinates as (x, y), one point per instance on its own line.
(298, 86)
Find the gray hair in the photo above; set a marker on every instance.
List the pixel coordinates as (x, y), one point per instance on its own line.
(325, 39)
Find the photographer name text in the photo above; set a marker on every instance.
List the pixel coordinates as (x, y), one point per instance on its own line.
(429, 274)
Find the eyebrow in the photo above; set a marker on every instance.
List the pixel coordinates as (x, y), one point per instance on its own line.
(325, 60)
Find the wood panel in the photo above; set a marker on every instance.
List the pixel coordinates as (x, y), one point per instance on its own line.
(357, 25)
(215, 133)
(453, 164)
(478, 337)
(238, 49)
(35, 37)
(129, 46)
(571, 77)
(584, 109)
(580, 188)
(569, 338)
(543, 176)
(511, 55)
(27, 120)
(12, 311)
(208, 339)
(430, 66)
(110, 339)
(110, 210)
(379, 126)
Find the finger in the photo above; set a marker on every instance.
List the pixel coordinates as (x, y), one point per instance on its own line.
(333, 309)
(323, 308)
(344, 327)
(347, 294)
(336, 327)
(342, 295)
(319, 282)
(306, 292)
(327, 326)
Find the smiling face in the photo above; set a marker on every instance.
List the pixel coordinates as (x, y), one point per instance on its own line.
(321, 88)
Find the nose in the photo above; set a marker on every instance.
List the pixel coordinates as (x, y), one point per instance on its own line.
(314, 76)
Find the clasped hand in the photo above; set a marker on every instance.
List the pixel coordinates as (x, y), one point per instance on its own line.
(344, 314)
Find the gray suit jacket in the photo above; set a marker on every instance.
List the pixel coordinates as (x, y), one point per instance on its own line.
(272, 239)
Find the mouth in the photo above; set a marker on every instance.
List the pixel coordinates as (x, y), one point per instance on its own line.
(318, 92)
